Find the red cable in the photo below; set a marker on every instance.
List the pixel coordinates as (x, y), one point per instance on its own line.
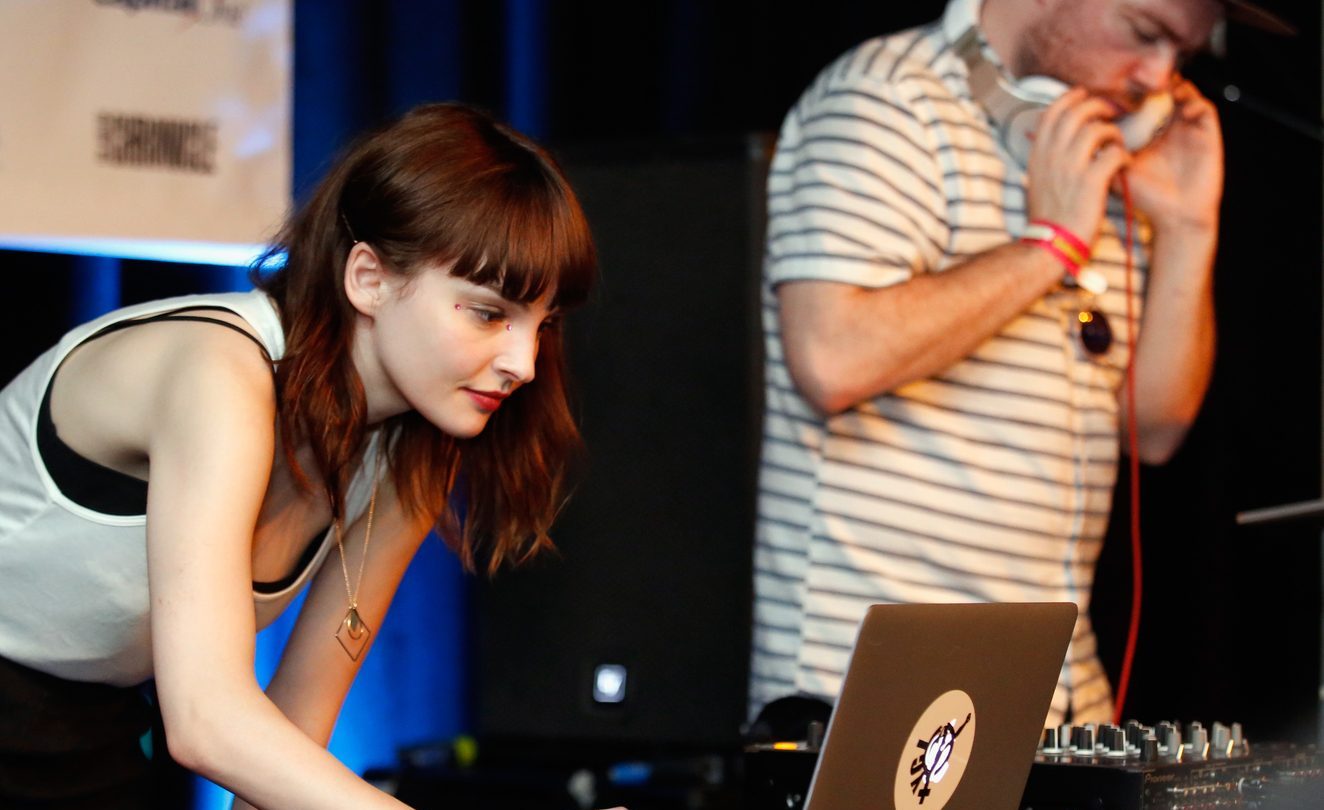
(1137, 581)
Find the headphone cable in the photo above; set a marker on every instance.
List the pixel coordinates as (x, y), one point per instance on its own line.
(1133, 444)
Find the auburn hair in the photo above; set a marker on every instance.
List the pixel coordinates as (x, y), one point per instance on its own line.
(444, 185)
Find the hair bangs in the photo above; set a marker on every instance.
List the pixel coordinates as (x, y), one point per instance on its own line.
(525, 238)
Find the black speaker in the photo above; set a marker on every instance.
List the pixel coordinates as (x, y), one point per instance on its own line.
(637, 632)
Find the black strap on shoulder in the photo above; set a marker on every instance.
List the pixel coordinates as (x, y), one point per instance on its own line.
(84, 481)
(178, 315)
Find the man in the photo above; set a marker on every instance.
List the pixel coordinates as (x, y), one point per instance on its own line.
(941, 422)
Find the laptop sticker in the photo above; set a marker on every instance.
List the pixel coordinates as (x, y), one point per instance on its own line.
(932, 766)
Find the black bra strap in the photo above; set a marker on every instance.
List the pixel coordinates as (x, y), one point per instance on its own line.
(177, 315)
(84, 481)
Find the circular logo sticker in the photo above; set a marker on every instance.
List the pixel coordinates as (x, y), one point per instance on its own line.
(934, 761)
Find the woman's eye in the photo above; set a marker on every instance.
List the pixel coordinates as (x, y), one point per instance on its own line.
(488, 315)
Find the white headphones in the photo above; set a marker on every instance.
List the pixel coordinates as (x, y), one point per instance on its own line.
(1015, 105)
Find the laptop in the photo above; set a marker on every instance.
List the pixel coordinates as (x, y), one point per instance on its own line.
(942, 707)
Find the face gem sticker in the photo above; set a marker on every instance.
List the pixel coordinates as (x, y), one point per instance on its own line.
(932, 765)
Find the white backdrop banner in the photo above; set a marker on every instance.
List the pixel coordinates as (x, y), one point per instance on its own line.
(144, 127)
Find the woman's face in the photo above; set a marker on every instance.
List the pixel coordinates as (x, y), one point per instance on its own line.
(449, 349)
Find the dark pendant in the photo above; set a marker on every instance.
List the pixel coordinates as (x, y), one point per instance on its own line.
(1095, 332)
(353, 634)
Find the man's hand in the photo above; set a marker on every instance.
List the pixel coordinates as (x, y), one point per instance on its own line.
(1177, 181)
(1077, 151)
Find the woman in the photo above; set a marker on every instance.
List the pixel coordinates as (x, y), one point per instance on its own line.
(159, 484)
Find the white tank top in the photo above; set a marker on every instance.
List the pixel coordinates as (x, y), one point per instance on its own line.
(73, 581)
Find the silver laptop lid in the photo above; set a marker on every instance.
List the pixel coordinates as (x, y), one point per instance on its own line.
(942, 707)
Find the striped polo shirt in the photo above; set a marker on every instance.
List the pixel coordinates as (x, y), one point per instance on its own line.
(988, 482)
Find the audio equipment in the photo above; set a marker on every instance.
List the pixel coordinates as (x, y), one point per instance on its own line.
(1137, 767)
(1169, 766)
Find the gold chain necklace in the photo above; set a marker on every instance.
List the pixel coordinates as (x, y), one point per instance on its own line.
(354, 633)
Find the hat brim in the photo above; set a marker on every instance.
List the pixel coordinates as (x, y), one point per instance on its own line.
(1247, 14)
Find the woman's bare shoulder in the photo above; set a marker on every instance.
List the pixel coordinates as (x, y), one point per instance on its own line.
(113, 394)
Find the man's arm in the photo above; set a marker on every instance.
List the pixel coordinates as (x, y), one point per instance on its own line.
(846, 344)
(1178, 183)
(1175, 354)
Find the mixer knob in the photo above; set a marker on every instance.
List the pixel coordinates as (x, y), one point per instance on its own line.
(1199, 742)
(1220, 742)
(1135, 733)
(1149, 748)
(814, 735)
(1115, 740)
(1192, 730)
(1239, 746)
(1169, 738)
(1051, 744)
(1145, 731)
(1082, 739)
(1102, 735)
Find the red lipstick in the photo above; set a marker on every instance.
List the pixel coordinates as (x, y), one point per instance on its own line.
(486, 400)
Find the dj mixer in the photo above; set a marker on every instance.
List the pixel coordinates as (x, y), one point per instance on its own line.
(1169, 766)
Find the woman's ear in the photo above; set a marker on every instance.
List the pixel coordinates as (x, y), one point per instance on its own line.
(367, 280)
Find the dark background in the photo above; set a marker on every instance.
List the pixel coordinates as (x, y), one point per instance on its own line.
(656, 110)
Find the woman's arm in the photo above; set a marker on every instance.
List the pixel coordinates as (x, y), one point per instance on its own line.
(315, 673)
(211, 443)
